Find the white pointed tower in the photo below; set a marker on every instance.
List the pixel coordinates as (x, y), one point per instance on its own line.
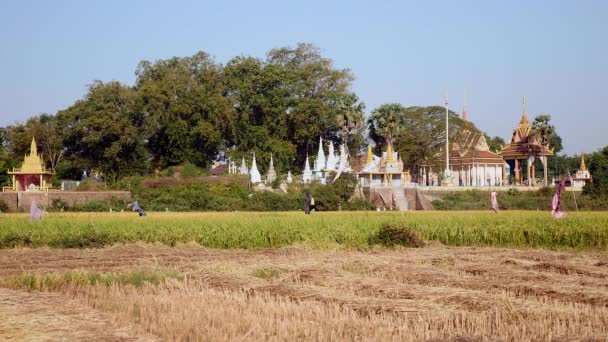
(243, 170)
(289, 177)
(272, 174)
(342, 162)
(307, 175)
(331, 157)
(254, 173)
(320, 161)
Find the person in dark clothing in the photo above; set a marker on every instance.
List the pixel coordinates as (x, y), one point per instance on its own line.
(307, 201)
(137, 208)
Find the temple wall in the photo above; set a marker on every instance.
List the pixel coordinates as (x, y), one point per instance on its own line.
(21, 201)
(10, 199)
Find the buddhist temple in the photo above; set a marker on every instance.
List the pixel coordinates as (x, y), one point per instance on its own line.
(382, 171)
(32, 176)
(471, 163)
(523, 151)
(582, 176)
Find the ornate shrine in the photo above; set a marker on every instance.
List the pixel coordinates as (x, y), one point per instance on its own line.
(32, 175)
(524, 150)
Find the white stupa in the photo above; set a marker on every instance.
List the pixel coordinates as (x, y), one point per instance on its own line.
(343, 162)
(272, 174)
(254, 173)
(289, 178)
(331, 157)
(320, 161)
(307, 175)
(243, 169)
(343, 165)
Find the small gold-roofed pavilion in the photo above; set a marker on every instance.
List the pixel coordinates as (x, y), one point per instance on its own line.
(582, 176)
(32, 175)
(385, 170)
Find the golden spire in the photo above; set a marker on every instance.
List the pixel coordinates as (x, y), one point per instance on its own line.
(370, 156)
(524, 124)
(33, 163)
(583, 166)
(524, 116)
(389, 154)
(33, 148)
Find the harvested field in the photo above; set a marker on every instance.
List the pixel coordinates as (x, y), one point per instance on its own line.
(437, 292)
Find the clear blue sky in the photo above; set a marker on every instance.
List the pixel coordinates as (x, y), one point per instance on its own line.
(554, 52)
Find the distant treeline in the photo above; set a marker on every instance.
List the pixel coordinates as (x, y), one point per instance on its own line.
(195, 110)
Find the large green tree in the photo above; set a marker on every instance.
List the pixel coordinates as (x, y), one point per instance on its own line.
(598, 167)
(101, 131)
(495, 143)
(386, 122)
(418, 133)
(49, 137)
(350, 121)
(182, 107)
(286, 102)
(6, 162)
(188, 109)
(548, 137)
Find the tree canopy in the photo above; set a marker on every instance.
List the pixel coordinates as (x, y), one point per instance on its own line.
(418, 133)
(194, 110)
(598, 167)
(546, 132)
(190, 109)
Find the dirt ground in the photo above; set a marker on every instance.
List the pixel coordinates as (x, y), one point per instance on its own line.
(436, 292)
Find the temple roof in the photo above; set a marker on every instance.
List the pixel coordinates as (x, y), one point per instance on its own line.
(388, 162)
(470, 147)
(583, 167)
(32, 163)
(523, 141)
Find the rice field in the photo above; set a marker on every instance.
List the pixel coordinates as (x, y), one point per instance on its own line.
(512, 276)
(516, 229)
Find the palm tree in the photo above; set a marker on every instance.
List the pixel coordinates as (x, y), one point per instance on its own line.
(350, 116)
(545, 133)
(387, 121)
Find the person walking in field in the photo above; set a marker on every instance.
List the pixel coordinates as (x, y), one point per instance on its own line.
(35, 212)
(307, 203)
(137, 207)
(494, 201)
(556, 203)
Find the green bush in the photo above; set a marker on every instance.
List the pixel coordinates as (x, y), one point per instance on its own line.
(391, 235)
(58, 204)
(512, 192)
(190, 170)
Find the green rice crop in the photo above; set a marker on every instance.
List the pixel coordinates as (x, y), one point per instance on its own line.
(55, 281)
(517, 229)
